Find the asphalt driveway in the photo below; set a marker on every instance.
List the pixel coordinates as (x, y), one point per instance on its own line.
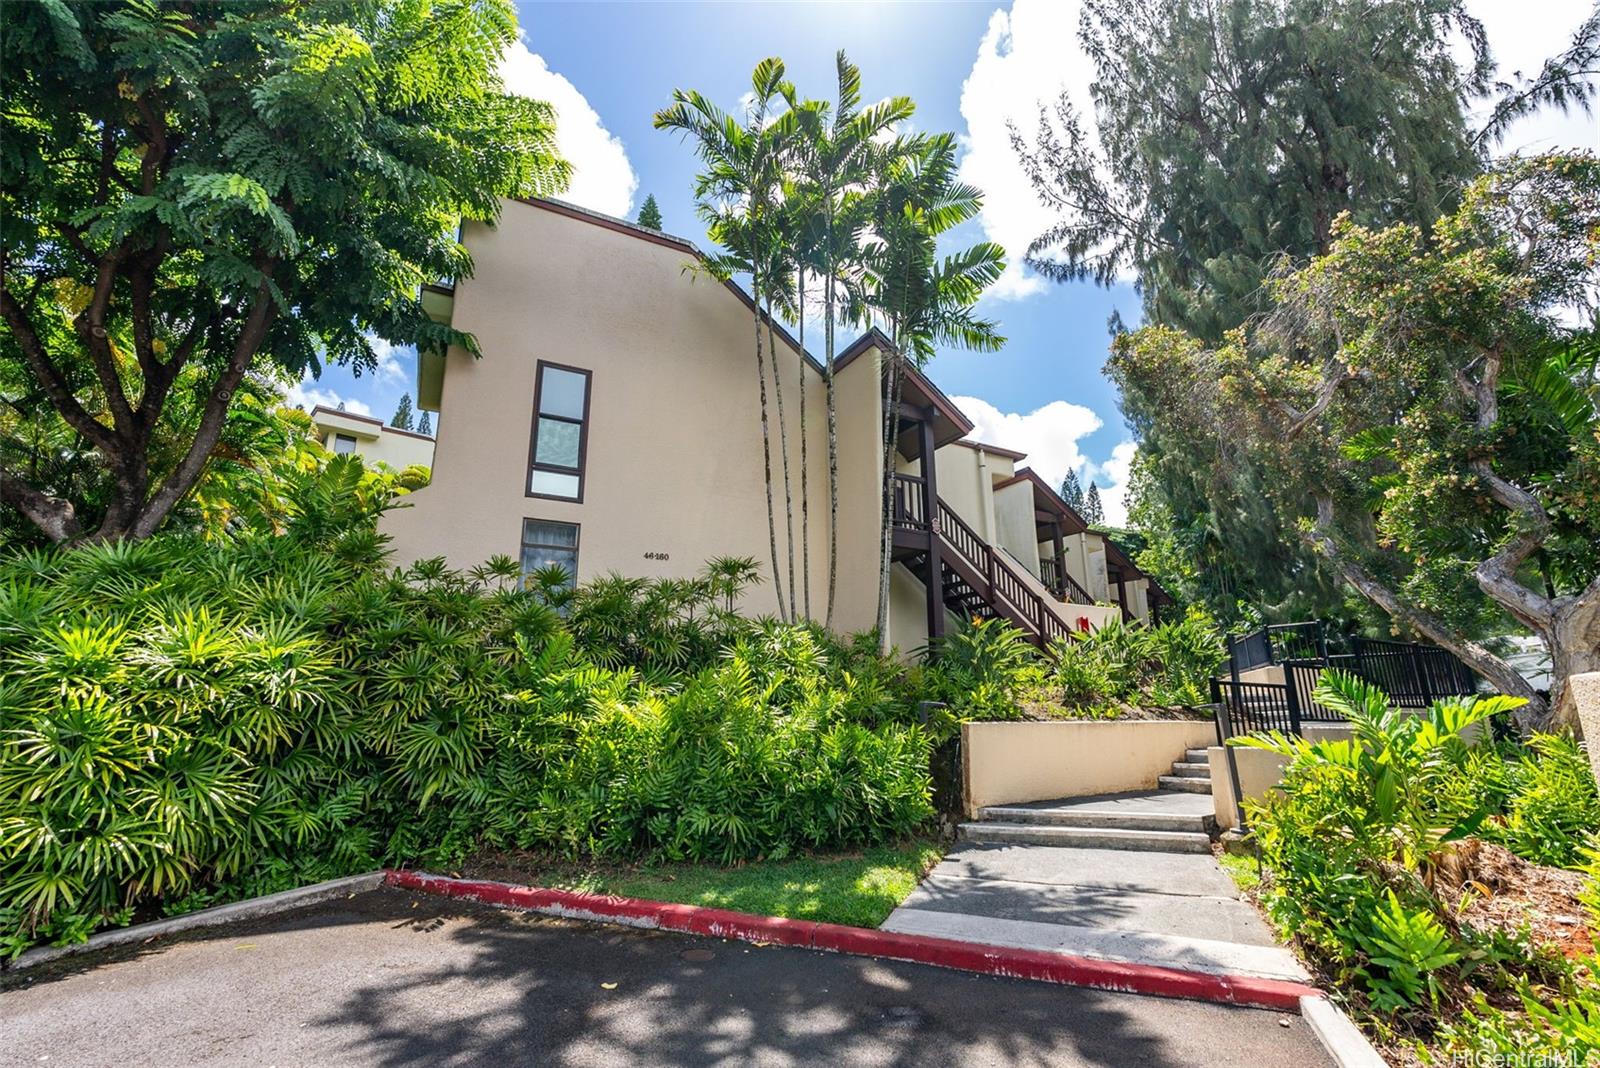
(392, 978)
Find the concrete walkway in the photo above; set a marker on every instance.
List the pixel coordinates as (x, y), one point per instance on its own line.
(1169, 909)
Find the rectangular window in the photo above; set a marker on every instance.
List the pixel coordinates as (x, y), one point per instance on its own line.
(343, 443)
(560, 432)
(546, 544)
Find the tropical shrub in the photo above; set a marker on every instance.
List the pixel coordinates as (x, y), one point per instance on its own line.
(187, 718)
(1119, 662)
(1369, 846)
(980, 670)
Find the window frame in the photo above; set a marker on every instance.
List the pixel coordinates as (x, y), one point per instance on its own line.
(334, 440)
(583, 434)
(576, 546)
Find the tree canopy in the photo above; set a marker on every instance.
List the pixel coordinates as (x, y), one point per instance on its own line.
(1227, 135)
(402, 413)
(195, 194)
(1418, 408)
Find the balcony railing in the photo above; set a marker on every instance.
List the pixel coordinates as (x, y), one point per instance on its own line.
(1061, 583)
(909, 511)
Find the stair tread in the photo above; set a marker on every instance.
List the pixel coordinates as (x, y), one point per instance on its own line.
(1179, 782)
(1102, 837)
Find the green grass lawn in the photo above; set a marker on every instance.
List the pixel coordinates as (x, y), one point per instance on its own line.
(859, 888)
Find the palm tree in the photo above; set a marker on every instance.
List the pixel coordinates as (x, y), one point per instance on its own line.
(924, 300)
(736, 196)
(834, 157)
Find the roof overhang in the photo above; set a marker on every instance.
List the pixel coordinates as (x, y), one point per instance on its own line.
(1048, 506)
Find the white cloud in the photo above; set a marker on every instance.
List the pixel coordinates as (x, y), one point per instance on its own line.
(1026, 58)
(306, 394)
(1050, 436)
(1521, 40)
(393, 360)
(602, 178)
(1113, 479)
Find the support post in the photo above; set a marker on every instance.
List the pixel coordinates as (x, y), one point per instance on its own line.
(1122, 597)
(930, 504)
(1061, 559)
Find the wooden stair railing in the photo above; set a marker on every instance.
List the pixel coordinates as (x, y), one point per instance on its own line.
(987, 573)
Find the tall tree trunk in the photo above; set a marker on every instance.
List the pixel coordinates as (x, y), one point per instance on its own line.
(766, 452)
(833, 429)
(805, 463)
(783, 450)
(891, 435)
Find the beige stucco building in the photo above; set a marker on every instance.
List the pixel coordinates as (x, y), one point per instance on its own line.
(612, 424)
(371, 439)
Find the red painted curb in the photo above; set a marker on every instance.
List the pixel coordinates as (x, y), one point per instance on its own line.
(1041, 965)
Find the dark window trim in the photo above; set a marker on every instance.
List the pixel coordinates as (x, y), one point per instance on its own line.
(583, 434)
(576, 546)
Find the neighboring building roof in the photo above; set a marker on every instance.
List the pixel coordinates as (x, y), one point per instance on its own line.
(1010, 454)
(380, 426)
(1044, 494)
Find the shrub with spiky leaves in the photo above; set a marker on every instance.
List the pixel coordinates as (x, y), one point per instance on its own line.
(186, 719)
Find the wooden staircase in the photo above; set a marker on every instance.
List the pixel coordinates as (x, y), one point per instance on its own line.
(977, 580)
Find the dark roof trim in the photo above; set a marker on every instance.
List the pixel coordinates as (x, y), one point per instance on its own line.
(944, 404)
(655, 237)
(1011, 454)
(379, 423)
(872, 338)
(1122, 563)
(347, 415)
(611, 222)
(1042, 491)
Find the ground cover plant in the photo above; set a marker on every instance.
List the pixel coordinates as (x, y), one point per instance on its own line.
(858, 887)
(190, 718)
(1439, 878)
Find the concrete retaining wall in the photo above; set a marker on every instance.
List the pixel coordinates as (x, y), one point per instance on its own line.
(1005, 763)
(1584, 692)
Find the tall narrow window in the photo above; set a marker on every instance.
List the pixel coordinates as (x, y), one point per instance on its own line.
(546, 544)
(560, 432)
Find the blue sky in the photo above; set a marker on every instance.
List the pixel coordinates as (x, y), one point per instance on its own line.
(971, 68)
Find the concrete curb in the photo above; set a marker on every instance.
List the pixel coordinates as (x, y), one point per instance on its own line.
(1041, 965)
(212, 917)
(1339, 1035)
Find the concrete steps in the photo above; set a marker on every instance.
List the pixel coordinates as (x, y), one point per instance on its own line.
(986, 833)
(1186, 785)
(1098, 818)
(1192, 770)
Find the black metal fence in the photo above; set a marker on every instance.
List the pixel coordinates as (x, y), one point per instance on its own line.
(1413, 675)
(1277, 643)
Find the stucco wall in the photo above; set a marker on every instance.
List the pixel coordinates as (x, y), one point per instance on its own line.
(375, 443)
(1018, 530)
(673, 471)
(1259, 771)
(1015, 762)
(1584, 690)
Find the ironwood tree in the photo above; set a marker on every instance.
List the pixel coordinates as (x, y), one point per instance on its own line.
(1227, 134)
(1428, 420)
(197, 193)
